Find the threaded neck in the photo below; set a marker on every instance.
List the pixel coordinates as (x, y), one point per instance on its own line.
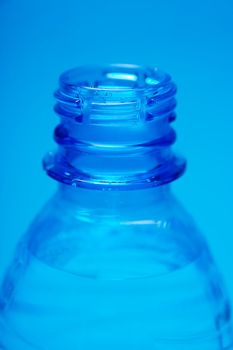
(115, 128)
(114, 94)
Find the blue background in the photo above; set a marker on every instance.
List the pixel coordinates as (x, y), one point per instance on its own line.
(193, 41)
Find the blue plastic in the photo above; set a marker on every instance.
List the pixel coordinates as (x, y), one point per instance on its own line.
(113, 261)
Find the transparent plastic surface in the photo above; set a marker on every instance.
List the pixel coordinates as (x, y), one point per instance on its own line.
(114, 270)
(113, 261)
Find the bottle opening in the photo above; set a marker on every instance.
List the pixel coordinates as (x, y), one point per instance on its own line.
(120, 93)
(113, 77)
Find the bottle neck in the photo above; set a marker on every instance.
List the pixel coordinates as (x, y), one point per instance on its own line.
(115, 131)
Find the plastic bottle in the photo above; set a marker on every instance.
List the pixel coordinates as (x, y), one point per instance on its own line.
(113, 260)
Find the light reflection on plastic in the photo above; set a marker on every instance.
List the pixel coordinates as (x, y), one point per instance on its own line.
(145, 222)
(121, 76)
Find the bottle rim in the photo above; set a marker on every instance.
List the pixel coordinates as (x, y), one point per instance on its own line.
(114, 77)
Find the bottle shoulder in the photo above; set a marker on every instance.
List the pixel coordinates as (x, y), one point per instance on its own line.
(167, 214)
(164, 235)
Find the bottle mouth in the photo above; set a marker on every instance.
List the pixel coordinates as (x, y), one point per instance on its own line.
(114, 77)
(115, 93)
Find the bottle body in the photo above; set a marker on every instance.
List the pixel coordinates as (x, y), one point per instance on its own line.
(111, 269)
